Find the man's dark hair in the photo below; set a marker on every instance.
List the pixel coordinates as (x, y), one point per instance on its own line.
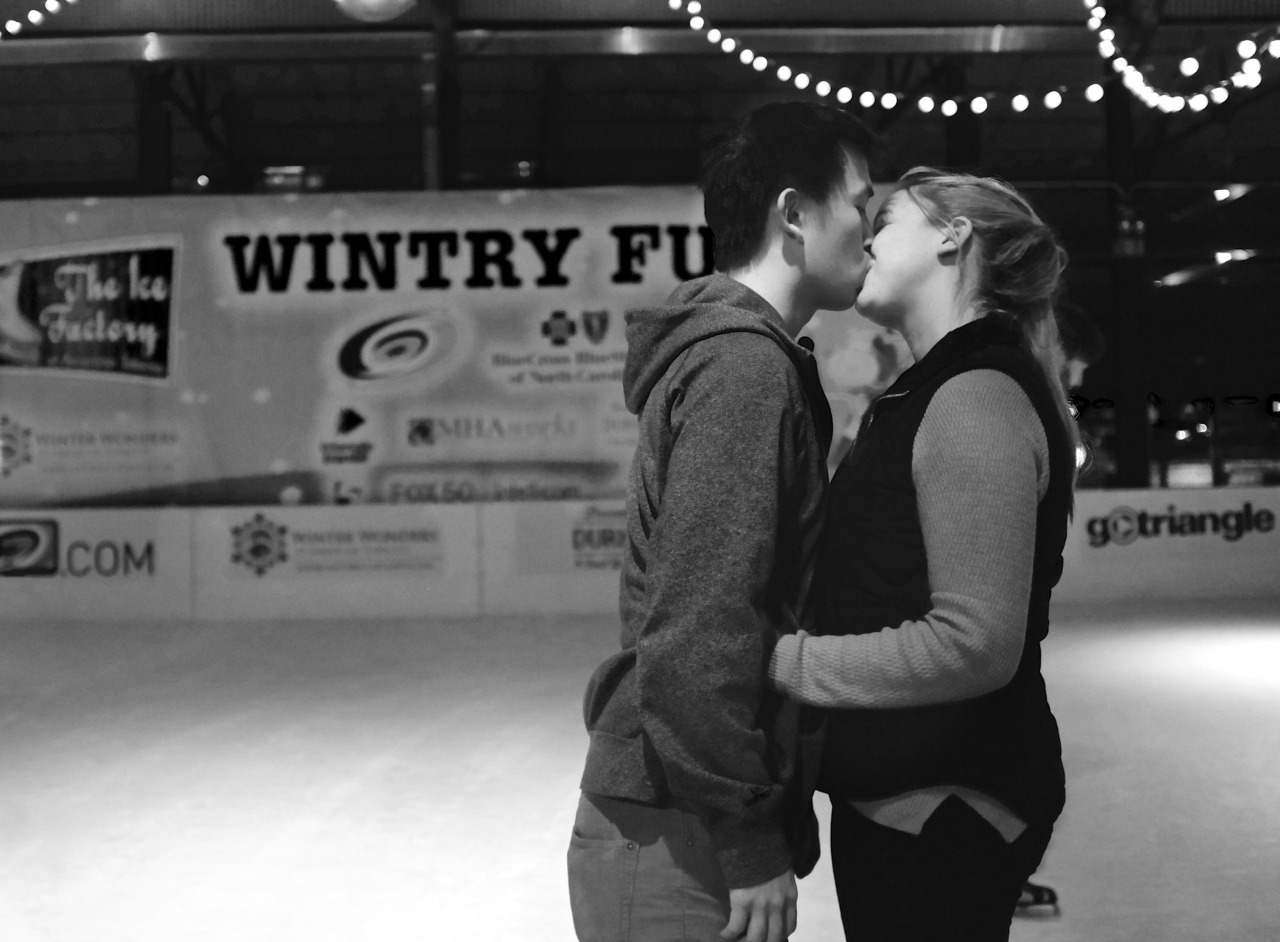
(797, 144)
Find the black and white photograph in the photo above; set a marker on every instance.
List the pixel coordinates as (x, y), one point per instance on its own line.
(640, 470)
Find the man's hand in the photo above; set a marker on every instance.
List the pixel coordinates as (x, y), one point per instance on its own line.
(763, 913)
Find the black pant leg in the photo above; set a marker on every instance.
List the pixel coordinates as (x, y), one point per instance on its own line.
(958, 881)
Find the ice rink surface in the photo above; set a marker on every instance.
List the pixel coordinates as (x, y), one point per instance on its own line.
(388, 781)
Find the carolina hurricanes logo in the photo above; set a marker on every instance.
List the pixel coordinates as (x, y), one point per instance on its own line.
(28, 547)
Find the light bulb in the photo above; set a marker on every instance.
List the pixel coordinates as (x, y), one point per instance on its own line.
(925, 104)
(1189, 66)
(1106, 49)
(36, 17)
(844, 96)
(696, 23)
(760, 64)
(1247, 49)
(713, 35)
(949, 107)
(1053, 100)
(1120, 64)
(1093, 92)
(802, 81)
(1107, 34)
(1198, 102)
(1219, 94)
(784, 73)
(823, 89)
(1222, 193)
(867, 99)
(1273, 47)
(746, 57)
(675, 4)
(13, 26)
(694, 8)
(1250, 66)
(1021, 102)
(374, 11)
(978, 105)
(888, 101)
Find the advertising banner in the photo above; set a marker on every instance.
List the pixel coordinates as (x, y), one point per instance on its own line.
(408, 348)
(554, 557)
(328, 562)
(95, 564)
(1200, 543)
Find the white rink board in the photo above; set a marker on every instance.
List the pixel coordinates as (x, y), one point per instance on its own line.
(561, 557)
(1149, 545)
(413, 560)
(398, 561)
(96, 565)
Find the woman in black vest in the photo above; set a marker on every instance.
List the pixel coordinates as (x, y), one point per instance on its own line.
(943, 541)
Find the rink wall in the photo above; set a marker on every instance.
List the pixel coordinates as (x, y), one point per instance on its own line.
(514, 558)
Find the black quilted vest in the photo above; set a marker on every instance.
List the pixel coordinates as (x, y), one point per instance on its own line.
(874, 575)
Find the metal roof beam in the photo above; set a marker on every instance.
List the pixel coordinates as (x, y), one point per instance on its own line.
(588, 41)
(584, 41)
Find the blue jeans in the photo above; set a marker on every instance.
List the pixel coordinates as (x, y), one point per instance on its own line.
(642, 874)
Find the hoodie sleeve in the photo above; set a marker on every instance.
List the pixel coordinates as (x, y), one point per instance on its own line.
(702, 648)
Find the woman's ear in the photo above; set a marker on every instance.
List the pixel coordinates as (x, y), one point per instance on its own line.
(955, 238)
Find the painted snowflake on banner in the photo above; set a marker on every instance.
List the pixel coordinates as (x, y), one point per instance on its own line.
(15, 446)
(259, 544)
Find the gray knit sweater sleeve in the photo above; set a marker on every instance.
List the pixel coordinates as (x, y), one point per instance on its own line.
(980, 465)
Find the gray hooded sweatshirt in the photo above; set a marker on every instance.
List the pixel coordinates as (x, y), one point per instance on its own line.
(724, 508)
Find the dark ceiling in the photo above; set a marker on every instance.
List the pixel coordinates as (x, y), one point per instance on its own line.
(144, 96)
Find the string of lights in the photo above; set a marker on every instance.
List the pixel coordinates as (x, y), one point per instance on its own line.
(1247, 76)
(35, 16)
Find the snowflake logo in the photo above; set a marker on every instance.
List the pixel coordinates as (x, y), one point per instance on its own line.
(259, 544)
(558, 328)
(15, 446)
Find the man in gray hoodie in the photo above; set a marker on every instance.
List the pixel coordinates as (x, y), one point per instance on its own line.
(696, 809)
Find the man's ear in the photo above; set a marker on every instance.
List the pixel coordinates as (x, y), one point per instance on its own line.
(789, 212)
(956, 237)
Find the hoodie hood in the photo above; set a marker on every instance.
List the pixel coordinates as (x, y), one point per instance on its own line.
(697, 309)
